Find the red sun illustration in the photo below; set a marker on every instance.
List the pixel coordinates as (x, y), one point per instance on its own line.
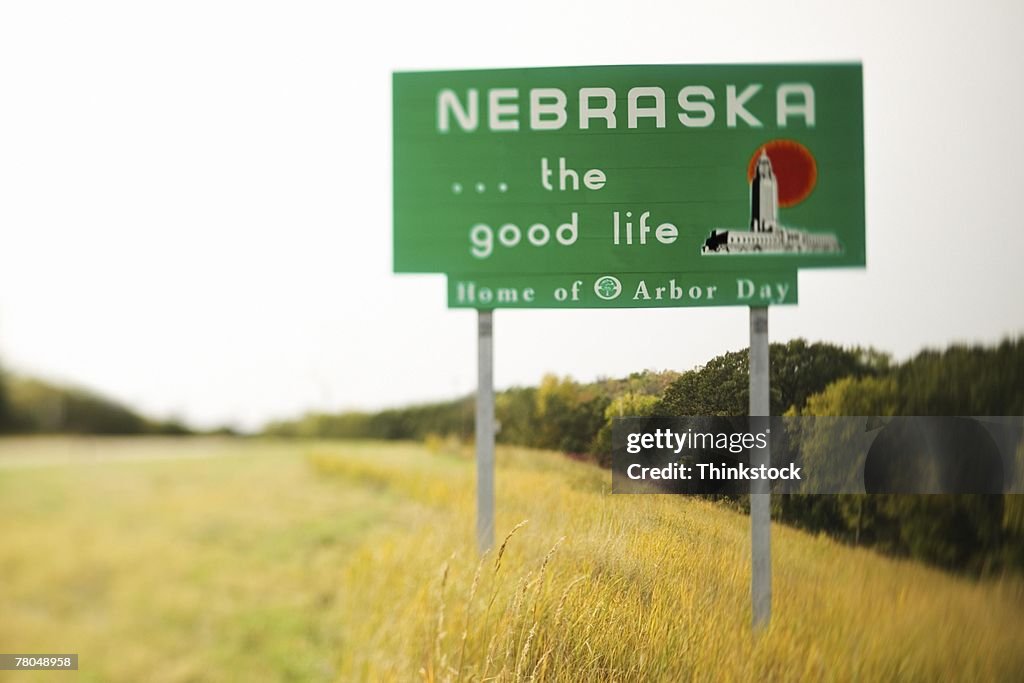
(794, 167)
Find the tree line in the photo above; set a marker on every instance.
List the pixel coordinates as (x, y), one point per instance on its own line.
(34, 406)
(562, 414)
(971, 533)
(978, 534)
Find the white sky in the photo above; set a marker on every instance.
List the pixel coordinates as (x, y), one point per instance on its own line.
(195, 196)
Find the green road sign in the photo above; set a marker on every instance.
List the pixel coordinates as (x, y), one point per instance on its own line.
(629, 169)
(621, 290)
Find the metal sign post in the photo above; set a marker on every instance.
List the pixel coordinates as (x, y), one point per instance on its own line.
(760, 496)
(485, 431)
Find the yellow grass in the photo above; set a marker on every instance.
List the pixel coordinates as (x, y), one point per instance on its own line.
(335, 561)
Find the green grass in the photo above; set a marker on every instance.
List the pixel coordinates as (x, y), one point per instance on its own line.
(225, 567)
(236, 560)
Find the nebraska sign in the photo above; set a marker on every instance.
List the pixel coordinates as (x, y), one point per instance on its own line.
(629, 169)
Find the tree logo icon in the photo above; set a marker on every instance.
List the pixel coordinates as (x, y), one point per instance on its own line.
(608, 287)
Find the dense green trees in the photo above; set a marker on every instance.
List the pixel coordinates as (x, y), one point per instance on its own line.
(414, 422)
(797, 370)
(559, 414)
(6, 420)
(32, 406)
(970, 532)
(516, 412)
(43, 407)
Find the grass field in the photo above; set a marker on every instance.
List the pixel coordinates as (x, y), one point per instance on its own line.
(164, 560)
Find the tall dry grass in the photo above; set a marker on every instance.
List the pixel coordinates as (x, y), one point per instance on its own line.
(206, 560)
(638, 588)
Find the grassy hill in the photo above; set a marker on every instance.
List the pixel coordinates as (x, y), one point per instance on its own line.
(174, 560)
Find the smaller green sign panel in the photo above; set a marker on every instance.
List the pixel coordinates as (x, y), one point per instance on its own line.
(622, 290)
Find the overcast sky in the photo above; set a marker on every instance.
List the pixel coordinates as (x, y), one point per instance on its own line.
(195, 197)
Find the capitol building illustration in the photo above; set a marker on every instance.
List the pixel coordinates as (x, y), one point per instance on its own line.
(766, 234)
